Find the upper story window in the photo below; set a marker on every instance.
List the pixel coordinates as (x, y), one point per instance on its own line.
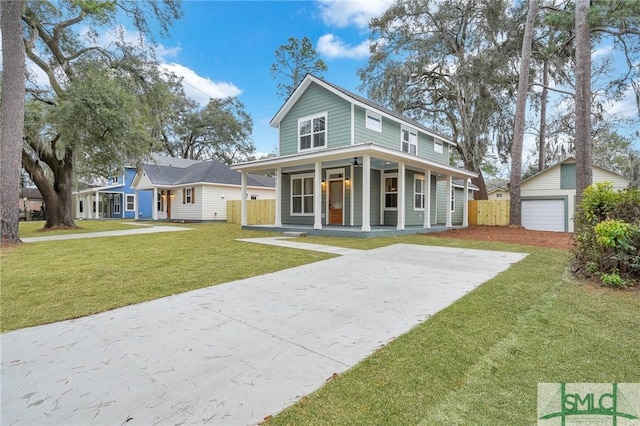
(312, 132)
(373, 121)
(409, 141)
(116, 179)
(437, 146)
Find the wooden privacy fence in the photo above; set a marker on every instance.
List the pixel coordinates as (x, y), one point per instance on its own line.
(259, 212)
(489, 212)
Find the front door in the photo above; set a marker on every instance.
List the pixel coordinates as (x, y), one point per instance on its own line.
(335, 202)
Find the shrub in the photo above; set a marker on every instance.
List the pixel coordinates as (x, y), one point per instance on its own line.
(607, 235)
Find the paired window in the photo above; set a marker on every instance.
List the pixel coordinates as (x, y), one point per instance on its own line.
(116, 204)
(437, 146)
(391, 192)
(409, 141)
(418, 193)
(312, 132)
(302, 195)
(373, 121)
(130, 202)
(189, 196)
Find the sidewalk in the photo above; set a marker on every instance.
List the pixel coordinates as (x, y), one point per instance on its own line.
(119, 233)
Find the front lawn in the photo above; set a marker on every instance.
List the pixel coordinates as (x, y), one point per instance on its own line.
(51, 281)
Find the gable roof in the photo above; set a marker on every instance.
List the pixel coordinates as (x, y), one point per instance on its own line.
(201, 172)
(569, 160)
(352, 98)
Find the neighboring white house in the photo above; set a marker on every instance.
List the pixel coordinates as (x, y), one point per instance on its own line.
(196, 190)
(499, 194)
(549, 197)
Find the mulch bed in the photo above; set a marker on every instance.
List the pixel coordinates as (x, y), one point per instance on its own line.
(507, 234)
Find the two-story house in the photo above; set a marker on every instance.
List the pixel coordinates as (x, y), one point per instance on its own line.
(346, 161)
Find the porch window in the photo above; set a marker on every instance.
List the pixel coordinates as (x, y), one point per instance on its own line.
(418, 191)
(302, 195)
(160, 201)
(189, 195)
(373, 121)
(116, 204)
(409, 141)
(131, 202)
(312, 132)
(391, 192)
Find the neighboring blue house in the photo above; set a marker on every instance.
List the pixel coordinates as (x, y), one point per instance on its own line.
(346, 161)
(117, 199)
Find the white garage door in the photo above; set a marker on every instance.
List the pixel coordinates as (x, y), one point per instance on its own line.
(543, 215)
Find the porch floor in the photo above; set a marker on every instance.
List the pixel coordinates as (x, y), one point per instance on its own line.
(351, 231)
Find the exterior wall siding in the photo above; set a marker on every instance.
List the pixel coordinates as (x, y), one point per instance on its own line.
(316, 100)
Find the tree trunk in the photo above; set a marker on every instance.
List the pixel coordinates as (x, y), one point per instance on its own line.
(542, 140)
(56, 196)
(515, 217)
(11, 117)
(584, 174)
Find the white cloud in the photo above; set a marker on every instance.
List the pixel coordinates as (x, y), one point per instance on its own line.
(165, 53)
(626, 107)
(343, 13)
(332, 47)
(201, 89)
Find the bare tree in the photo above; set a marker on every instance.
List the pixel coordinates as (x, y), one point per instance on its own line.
(584, 175)
(11, 116)
(515, 217)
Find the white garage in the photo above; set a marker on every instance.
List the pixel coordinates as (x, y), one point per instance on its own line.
(544, 215)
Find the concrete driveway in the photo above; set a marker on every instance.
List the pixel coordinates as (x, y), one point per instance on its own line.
(234, 353)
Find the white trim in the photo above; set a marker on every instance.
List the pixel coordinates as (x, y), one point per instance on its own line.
(351, 195)
(310, 118)
(427, 206)
(317, 195)
(306, 82)
(375, 118)
(291, 179)
(402, 205)
(366, 193)
(448, 206)
(383, 204)
(126, 203)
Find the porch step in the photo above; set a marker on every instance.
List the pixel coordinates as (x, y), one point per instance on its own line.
(294, 234)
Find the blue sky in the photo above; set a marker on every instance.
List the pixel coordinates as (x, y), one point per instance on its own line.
(227, 47)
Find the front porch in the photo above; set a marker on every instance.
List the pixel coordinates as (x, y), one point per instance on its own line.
(350, 231)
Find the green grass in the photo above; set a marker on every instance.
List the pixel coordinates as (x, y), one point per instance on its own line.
(35, 229)
(52, 281)
(479, 361)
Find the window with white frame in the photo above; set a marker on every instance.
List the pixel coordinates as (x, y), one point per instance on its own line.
(302, 195)
(116, 204)
(453, 199)
(391, 192)
(499, 195)
(373, 121)
(116, 179)
(418, 193)
(437, 146)
(187, 195)
(312, 132)
(409, 141)
(130, 202)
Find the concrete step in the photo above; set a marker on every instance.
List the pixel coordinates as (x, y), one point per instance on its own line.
(294, 234)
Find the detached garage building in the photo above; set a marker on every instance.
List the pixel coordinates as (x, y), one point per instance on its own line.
(549, 197)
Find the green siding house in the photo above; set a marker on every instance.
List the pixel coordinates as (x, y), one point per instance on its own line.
(345, 161)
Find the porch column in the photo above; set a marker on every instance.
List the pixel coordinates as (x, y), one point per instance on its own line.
(278, 212)
(317, 196)
(243, 198)
(135, 206)
(97, 216)
(352, 185)
(401, 197)
(465, 206)
(448, 198)
(154, 204)
(427, 199)
(366, 193)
